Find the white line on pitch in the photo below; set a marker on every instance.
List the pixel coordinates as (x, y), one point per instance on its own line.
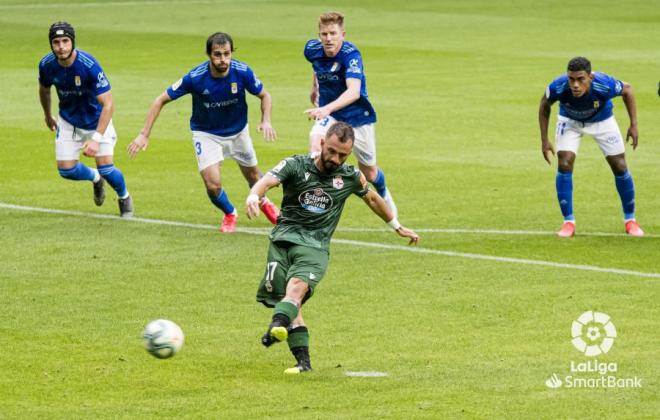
(417, 250)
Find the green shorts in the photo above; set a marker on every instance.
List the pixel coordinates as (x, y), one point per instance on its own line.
(287, 260)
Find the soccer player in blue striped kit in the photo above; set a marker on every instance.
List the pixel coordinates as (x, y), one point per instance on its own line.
(339, 93)
(85, 117)
(219, 122)
(585, 107)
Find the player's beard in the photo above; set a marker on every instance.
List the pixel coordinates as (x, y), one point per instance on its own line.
(326, 164)
(220, 68)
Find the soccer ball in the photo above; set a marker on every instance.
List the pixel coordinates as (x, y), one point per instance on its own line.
(162, 338)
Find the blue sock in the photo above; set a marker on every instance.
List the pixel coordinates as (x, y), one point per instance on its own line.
(626, 189)
(564, 184)
(115, 178)
(222, 202)
(80, 172)
(379, 183)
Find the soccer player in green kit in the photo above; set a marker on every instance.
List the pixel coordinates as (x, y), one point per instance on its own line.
(315, 189)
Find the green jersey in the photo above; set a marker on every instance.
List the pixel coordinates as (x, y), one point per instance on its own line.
(312, 201)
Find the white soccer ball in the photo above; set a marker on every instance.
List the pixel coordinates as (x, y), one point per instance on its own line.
(162, 338)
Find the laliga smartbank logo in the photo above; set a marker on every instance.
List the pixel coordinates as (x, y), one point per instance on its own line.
(593, 334)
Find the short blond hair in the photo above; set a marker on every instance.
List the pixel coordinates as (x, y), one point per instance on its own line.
(329, 18)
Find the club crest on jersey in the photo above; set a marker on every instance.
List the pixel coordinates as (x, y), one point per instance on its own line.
(234, 87)
(596, 104)
(335, 67)
(315, 200)
(76, 80)
(338, 182)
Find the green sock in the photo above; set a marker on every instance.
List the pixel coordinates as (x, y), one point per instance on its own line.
(286, 308)
(298, 337)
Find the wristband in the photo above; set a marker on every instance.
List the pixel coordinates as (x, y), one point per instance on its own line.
(394, 224)
(97, 137)
(252, 199)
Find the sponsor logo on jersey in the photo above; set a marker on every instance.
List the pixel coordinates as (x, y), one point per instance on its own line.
(221, 103)
(354, 66)
(234, 87)
(257, 82)
(315, 200)
(176, 84)
(307, 176)
(618, 87)
(76, 80)
(322, 77)
(101, 81)
(206, 92)
(338, 182)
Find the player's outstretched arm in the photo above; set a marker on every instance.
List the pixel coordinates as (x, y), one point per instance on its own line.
(257, 192)
(380, 207)
(265, 126)
(544, 120)
(44, 98)
(141, 142)
(314, 93)
(628, 97)
(350, 95)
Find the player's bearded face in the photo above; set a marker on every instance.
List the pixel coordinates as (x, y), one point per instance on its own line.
(62, 47)
(334, 153)
(580, 82)
(221, 57)
(332, 37)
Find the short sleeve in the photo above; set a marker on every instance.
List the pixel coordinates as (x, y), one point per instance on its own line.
(44, 78)
(353, 65)
(361, 187)
(251, 83)
(100, 83)
(283, 170)
(180, 87)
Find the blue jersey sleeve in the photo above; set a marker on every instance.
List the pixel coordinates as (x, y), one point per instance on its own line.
(353, 65)
(607, 85)
(251, 83)
(312, 48)
(180, 87)
(99, 83)
(555, 88)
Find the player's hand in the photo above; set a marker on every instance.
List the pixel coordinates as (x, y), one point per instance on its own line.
(547, 150)
(407, 233)
(317, 113)
(141, 142)
(252, 206)
(51, 123)
(632, 133)
(267, 131)
(90, 148)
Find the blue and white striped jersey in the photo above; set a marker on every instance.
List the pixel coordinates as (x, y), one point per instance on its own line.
(332, 72)
(218, 104)
(595, 105)
(77, 87)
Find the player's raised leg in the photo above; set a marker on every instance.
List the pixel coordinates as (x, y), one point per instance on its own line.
(626, 189)
(219, 198)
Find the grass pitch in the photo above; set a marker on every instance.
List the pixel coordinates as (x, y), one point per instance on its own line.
(469, 326)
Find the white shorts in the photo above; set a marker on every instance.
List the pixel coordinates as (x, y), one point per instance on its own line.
(364, 145)
(69, 140)
(606, 133)
(211, 149)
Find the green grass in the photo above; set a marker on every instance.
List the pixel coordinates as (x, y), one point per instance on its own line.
(456, 86)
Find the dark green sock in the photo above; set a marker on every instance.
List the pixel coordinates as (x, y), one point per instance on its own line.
(286, 308)
(298, 337)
